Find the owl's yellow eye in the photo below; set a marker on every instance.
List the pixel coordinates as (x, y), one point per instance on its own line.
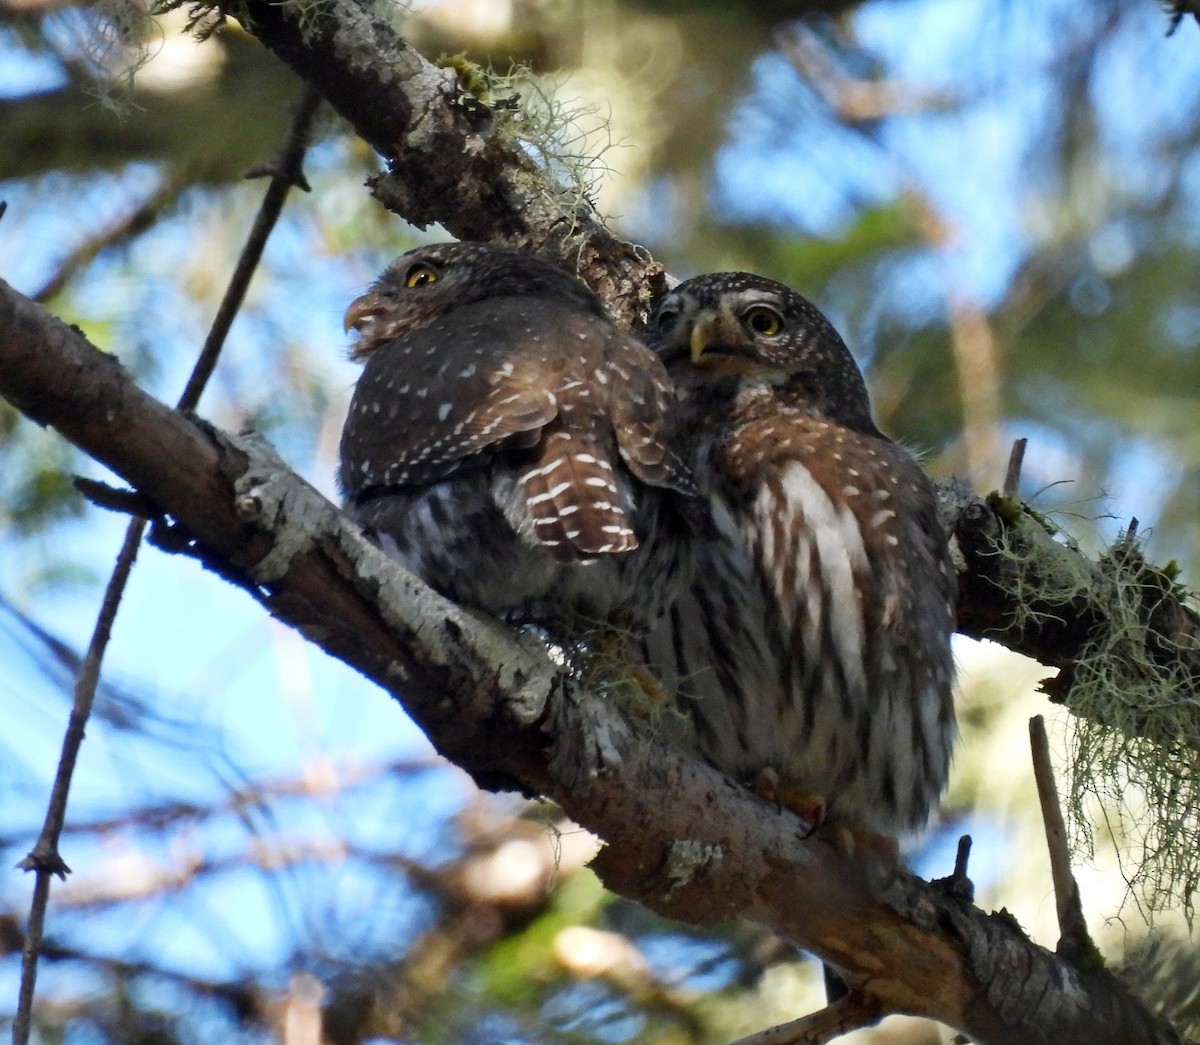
(763, 320)
(419, 275)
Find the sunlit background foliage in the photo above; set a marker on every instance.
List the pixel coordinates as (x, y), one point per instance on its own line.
(995, 202)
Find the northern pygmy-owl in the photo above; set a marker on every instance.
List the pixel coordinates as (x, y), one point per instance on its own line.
(813, 643)
(506, 440)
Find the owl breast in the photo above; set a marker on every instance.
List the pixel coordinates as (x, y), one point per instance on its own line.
(799, 647)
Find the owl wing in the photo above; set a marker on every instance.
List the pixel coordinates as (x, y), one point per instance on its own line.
(447, 397)
(641, 400)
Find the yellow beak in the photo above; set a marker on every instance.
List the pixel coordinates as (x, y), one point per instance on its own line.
(361, 309)
(705, 334)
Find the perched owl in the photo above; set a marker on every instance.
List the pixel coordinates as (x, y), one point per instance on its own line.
(813, 643)
(506, 441)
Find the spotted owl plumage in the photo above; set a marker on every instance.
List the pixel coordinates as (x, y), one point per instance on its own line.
(813, 643)
(506, 441)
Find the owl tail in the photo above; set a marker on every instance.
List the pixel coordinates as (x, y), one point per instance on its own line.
(571, 493)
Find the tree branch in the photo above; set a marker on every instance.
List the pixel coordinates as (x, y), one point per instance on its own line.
(685, 841)
(1024, 584)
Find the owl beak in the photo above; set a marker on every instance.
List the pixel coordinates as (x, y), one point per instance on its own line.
(713, 343)
(361, 310)
(705, 334)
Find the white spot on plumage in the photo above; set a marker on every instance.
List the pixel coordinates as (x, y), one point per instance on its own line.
(839, 547)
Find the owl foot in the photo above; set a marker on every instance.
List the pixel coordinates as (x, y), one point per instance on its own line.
(610, 664)
(808, 805)
(860, 842)
(649, 685)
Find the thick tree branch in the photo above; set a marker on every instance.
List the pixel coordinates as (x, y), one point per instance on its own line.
(1023, 584)
(685, 841)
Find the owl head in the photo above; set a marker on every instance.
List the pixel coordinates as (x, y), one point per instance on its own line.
(423, 284)
(734, 334)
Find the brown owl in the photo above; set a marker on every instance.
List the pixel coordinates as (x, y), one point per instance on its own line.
(813, 642)
(506, 441)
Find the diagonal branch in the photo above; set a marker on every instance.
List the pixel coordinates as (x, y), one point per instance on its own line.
(684, 840)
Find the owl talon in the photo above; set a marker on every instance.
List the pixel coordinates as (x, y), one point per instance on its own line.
(653, 690)
(808, 806)
(864, 844)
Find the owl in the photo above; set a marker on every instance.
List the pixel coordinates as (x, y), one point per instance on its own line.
(506, 442)
(811, 647)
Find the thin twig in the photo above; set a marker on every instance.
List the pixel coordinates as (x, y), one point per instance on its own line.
(958, 883)
(44, 859)
(1012, 477)
(962, 856)
(1074, 940)
(128, 502)
(853, 1012)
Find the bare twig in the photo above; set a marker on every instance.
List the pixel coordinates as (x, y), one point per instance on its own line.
(1074, 940)
(1012, 477)
(44, 859)
(855, 100)
(1177, 9)
(962, 856)
(852, 1012)
(127, 502)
